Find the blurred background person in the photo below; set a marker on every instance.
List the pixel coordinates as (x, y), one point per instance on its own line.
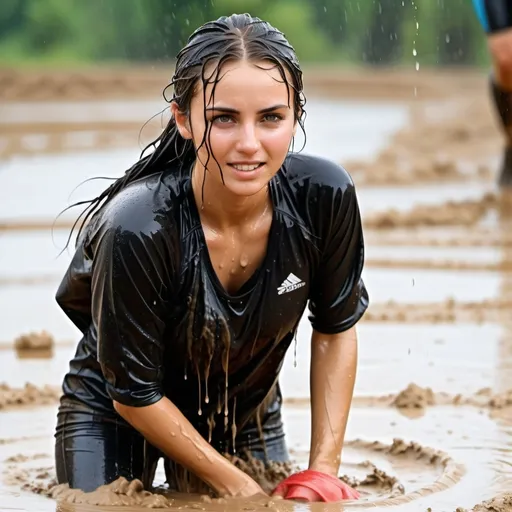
(496, 19)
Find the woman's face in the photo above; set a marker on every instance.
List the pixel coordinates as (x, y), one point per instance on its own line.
(251, 124)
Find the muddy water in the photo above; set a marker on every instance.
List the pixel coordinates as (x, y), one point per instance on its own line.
(475, 444)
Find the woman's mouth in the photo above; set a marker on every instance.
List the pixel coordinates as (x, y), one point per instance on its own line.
(247, 167)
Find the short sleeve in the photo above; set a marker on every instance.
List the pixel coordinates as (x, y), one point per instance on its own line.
(130, 298)
(494, 15)
(338, 297)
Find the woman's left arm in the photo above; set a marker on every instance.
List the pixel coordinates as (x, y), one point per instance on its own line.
(333, 371)
(337, 300)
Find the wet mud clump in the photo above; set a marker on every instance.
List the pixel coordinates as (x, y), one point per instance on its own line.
(450, 471)
(376, 478)
(414, 397)
(503, 266)
(450, 213)
(447, 311)
(267, 475)
(34, 344)
(393, 166)
(28, 395)
(480, 236)
(485, 398)
(434, 149)
(42, 481)
(500, 503)
(417, 398)
(118, 493)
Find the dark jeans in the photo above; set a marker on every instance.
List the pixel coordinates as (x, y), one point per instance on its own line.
(92, 449)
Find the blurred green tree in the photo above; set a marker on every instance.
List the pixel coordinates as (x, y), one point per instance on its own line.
(440, 32)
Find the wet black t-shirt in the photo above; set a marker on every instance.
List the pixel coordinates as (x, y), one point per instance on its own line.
(156, 320)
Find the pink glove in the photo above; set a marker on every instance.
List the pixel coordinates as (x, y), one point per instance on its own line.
(310, 485)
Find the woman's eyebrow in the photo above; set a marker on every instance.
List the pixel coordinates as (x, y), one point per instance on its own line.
(230, 110)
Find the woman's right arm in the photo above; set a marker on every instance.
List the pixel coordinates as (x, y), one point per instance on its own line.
(132, 288)
(165, 427)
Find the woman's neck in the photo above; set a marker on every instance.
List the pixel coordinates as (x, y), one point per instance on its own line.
(222, 209)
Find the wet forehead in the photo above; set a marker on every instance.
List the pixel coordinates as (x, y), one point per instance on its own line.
(247, 87)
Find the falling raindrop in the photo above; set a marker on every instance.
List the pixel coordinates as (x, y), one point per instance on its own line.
(417, 66)
(447, 38)
(414, 52)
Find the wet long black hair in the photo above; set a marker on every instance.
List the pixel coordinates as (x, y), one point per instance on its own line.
(232, 38)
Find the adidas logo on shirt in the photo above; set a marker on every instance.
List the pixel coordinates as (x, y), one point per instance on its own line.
(292, 282)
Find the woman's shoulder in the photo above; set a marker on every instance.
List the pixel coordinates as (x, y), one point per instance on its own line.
(143, 207)
(311, 170)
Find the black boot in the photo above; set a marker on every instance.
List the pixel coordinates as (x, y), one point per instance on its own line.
(503, 104)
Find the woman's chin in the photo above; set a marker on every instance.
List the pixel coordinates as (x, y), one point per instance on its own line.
(246, 188)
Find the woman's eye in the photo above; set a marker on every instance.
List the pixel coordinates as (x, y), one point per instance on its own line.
(222, 119)
(273, 118)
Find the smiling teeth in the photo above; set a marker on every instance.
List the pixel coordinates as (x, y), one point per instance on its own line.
(246, 167)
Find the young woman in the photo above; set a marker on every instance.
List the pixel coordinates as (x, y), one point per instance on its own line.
(191, 276)
(496, 19)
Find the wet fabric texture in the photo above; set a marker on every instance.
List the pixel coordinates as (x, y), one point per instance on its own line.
(92, 449)
(156, 320)
(494, 15)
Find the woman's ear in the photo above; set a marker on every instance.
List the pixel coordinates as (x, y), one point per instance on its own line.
(182, 121)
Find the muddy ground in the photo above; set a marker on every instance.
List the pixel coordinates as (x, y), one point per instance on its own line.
(431, 423)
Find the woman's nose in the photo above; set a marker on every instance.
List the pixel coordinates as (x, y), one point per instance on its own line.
(248, 141)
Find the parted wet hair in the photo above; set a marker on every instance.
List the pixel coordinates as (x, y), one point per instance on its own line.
(229, 38)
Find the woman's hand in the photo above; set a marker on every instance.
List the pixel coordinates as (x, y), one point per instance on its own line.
(310, 485)
(249, 489)
(165, 427)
